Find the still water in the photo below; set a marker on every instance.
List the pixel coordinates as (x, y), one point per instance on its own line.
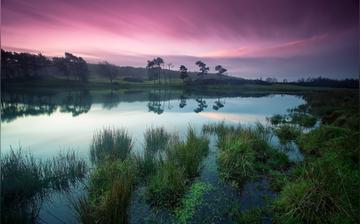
(45, 123)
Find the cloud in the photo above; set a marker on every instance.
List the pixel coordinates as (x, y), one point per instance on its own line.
(248, 36)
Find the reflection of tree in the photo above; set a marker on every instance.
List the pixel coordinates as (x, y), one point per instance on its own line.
(77, 103)
(111, 100)
(19, 105)
(155, 103)
(201, 105)
(182, 101)
(14, 104)
(218, 104)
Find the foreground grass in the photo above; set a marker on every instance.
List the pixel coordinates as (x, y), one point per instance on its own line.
(25, 181)
(246, 153)
(166, 169)
(321, 189)
(324, 188)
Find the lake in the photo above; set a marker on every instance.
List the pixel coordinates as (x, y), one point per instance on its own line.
(48, 121)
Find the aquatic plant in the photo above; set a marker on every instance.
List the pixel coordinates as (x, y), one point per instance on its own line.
(287, 133)
(276, 119)
(192, 200)
(110, 144)
(167, 185)
(180, 166)
(252, 216)
(109, 191)
(156, 139)
(236, 160)
(189, 154)
(26, 180)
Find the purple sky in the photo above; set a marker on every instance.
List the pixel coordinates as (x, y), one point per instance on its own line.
(281, 38)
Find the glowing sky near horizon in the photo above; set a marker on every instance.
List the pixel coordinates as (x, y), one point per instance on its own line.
(281, 38)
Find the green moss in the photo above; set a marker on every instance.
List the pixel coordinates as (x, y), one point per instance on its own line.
(192, 200)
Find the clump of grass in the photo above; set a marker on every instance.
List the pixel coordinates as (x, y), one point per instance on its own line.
(191, 201)
(25, 180)
(277, 119)
(110, 144)
(189, 154)
(304, 120)
(167, 185)
(327, 138)
(314, 198)
(287, 133)
(156, 139)
(181, 165)
(278, 180)
(236, 160)
(109, 191)
(251, 216)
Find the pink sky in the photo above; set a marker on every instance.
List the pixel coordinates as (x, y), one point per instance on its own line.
(278, 38)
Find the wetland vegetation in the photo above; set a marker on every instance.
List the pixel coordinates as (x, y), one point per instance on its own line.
(169, 173)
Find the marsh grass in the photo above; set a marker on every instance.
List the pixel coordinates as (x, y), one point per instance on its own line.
(25, 181)
(250, 216)
(109, 192)
(156, 139)
(180, 166)
(110, 144)
(246, 152)
(287, 133)
(167, 185)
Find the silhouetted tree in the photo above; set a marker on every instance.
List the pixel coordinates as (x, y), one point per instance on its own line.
(203, 69)
(183, 73)
(22, 65)
(108, 70)
(220, 70)
(61, 64)
(154, 68)
(170, 66)
(159, 62)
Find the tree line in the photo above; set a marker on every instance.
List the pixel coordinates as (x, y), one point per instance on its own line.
(26, 66)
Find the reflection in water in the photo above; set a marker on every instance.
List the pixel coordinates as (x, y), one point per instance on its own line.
(201, 105)
(14, 105)
(20, 104)
(182, 101)
(218, 104)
